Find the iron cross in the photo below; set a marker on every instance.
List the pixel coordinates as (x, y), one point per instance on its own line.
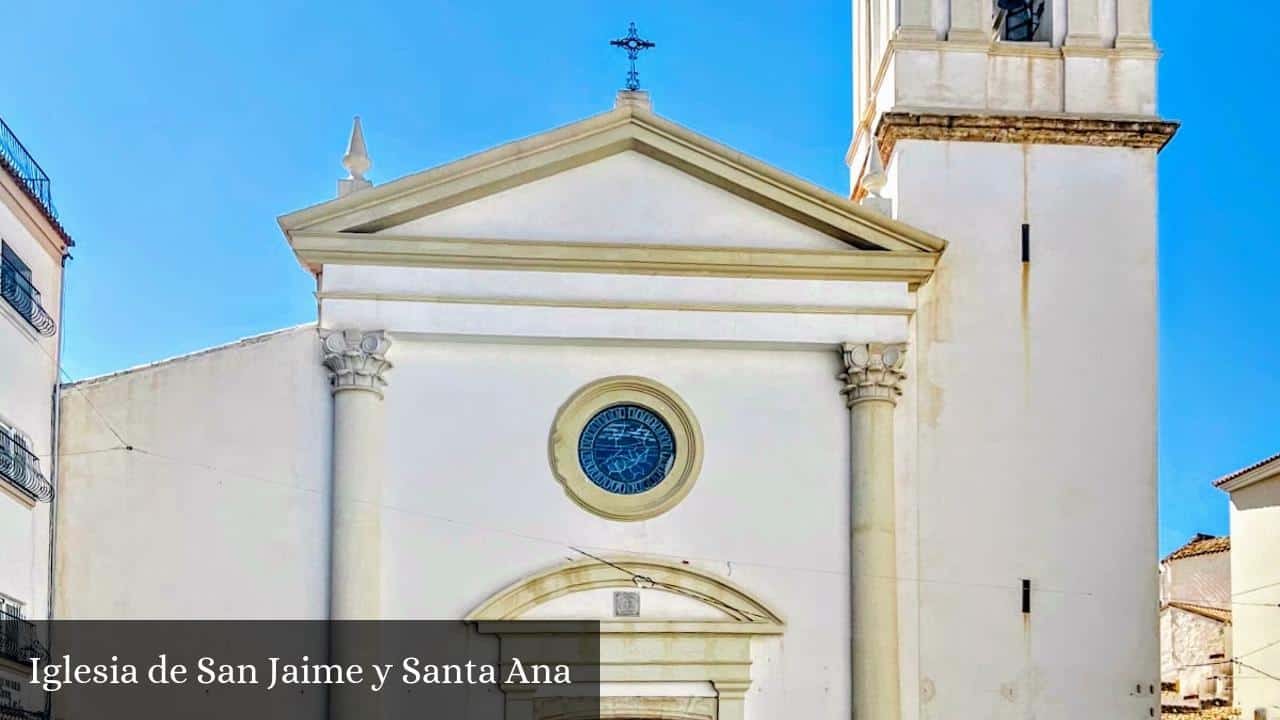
(634, 45)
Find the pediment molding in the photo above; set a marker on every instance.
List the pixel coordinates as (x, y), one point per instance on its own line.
(519, 598)
(621, 130)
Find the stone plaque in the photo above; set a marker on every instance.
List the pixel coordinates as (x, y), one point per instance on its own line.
(626, 603)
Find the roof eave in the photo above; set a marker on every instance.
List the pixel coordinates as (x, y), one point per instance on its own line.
(1263, 471)
(48, 224)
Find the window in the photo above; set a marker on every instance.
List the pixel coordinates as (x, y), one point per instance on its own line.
(1023, 20)
(11, 259)
(20, 293)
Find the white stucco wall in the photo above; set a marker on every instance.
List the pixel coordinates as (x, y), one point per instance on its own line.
(473, 505)
(1036, 449)
(1200, 579)
(624, 198)
(1193, 650)
(1255, 572)
(470, 504)
(221, 509)
(26, 401)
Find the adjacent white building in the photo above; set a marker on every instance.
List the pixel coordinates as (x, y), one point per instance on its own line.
(1195, 623)
(1255, 585)
(873, 450)
(33, 249)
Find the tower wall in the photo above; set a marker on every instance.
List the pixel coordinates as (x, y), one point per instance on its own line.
(1035, 449)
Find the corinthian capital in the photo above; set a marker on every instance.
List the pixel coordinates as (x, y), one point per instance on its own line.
(873, 371)
(356, 359)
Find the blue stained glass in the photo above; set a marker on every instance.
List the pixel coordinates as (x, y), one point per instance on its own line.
(626, 449)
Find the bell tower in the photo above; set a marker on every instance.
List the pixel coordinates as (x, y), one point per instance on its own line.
(1025, 133)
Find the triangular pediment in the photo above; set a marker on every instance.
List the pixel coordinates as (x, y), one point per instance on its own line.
(623, 177)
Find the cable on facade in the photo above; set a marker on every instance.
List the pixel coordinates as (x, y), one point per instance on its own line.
(1260, 587)
(644, 581)
(566, 545)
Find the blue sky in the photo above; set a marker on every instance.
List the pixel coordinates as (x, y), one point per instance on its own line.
(176, 135)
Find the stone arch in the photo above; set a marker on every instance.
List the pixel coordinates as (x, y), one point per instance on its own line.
(516, 600)
(711, 650)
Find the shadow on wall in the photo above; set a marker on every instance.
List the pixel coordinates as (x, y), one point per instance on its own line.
(1257, 496)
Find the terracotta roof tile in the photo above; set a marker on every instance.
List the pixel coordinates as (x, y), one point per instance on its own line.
(1232, 476)
(1201, 544)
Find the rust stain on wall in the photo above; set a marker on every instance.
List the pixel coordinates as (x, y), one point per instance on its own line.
(934, 328)
(1026, 330)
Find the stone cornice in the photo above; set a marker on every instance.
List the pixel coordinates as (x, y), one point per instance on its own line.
(318, 249)
(872, 371)
(1023, 129)
(356, 360)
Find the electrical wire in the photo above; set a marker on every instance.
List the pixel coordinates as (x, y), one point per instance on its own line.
(1260, 587)
(72, 385)
(643, 581)
(563, 544)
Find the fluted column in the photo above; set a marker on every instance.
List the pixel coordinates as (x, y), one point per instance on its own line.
(873, 375)
(357, 362)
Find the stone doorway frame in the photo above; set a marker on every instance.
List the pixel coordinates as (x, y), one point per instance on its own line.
(717, 652)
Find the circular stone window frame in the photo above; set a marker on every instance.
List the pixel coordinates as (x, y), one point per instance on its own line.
(585, 404)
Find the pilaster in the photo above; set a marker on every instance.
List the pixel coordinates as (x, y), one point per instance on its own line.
(1133, 24)
(1083, 24)
(970, 21)
(915, 20)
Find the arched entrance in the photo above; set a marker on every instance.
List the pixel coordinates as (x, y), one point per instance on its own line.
(681, 649)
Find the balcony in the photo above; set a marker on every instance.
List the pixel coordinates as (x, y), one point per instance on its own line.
(19, 641)
(16, 713)
(20, 468)
(26, 170)
(18, 291)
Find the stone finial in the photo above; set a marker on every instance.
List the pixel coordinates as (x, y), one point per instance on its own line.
(356, 360)
(356, 161)
(873, 181)
(633, 98)
(873, 371)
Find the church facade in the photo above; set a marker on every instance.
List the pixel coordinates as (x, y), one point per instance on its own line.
(888, 454)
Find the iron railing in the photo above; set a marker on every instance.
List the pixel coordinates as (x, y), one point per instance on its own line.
(17, 713)
(23, 296)
(18, 638)
(23, 165)
(21, 468)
